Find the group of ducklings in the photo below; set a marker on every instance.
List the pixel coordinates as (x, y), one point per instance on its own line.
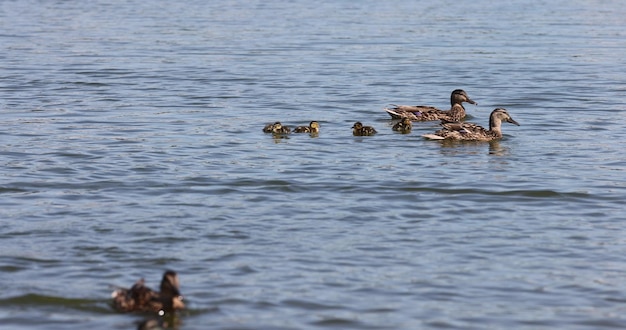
(278, 128)
(453, 128)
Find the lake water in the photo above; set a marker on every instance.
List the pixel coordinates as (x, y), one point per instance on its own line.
(131, 143)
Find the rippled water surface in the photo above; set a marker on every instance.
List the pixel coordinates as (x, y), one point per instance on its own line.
(130, 143)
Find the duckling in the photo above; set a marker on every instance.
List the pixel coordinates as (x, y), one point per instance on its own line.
(280, 129)
(269, 128)
(140, 298)
(403, 126)
(427, 113)
(473, 132)
(314, 127)
(276, 128)
(359, 130)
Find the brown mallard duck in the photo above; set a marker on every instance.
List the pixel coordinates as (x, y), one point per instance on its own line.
(472, 132)
(403, 126)
(276, 128)
(359, 130)
(427, 113)
(140, 298)
(314, 127)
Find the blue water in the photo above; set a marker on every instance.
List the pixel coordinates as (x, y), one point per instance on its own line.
(131, 143)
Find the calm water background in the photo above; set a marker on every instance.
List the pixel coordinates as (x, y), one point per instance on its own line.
(131, 142)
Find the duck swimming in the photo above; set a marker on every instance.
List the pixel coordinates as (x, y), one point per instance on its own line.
(472, 132)
(270, 127)
(359, 130)
(403, 126)
(276, 128)
(427, 113)
(314, 127)
(140, 298)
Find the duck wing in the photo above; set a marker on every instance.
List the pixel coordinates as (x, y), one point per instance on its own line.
(464, 128)
(413, 112)
(461, 131)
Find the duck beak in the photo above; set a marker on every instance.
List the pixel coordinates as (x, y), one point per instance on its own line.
(512, 121)
(470, 101)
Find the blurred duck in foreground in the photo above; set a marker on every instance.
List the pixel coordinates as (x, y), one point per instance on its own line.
(404, 126)
(427, 113)
(471, 132)
(276, 128)
(314, 127)
(359, 130)
(140, 298)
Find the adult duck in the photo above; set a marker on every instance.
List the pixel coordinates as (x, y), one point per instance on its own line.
(428, 113)
(140, 298)
(471, 132)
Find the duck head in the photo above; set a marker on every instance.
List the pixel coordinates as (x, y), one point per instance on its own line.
(170, 291)
(277, 127)
(459, 96)
(498, 116)
(357, 128)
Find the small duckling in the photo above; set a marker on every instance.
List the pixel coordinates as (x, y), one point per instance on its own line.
(404, 126)
(280, 129)
(359, 130)
(314, 127)
(140, 298)
(269, 128)
(276, 128)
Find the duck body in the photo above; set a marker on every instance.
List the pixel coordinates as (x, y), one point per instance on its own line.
(403, 126)
(314, 128)
(462, 131)
(276, 128)
(428, 113)
(140, 298)
(359, 130)
(269, 127)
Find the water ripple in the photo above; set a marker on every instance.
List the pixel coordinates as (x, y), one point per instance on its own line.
(132, 143)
